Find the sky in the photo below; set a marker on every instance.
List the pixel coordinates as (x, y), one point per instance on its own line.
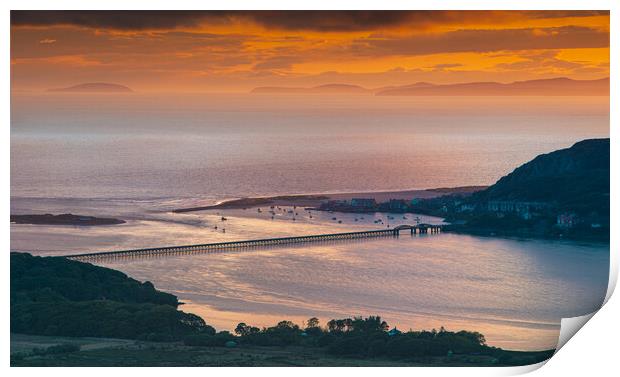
(235, 51)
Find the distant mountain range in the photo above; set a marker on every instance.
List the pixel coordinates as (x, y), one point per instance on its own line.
(575, 178)
(548, 87)
(561, 86)
(322, 89)
(94, 87)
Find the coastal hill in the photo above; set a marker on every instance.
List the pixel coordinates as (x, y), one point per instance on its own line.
(60, 297)
(321, 89)
(562, 194)
(561, 86)
(94, 87)
(575, 178)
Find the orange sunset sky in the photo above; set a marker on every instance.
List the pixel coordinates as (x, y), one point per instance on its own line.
(236, 51)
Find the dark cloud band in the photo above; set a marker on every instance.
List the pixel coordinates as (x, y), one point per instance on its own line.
(288, 20)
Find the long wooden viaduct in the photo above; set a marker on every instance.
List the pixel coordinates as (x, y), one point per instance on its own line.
(164, 250)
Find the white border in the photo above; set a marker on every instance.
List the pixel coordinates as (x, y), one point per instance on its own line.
(593, 352)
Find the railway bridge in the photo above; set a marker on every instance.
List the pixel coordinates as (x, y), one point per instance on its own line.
(232, 245)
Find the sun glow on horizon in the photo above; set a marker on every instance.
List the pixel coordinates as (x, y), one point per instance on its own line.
(237, 51)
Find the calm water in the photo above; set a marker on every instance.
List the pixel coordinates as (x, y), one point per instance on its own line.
(207, 147)
(136, 157)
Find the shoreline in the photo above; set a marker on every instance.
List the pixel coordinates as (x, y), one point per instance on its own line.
(523, 235)
(312, 200)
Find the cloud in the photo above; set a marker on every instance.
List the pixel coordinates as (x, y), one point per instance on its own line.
(279, 62)
(441, 67)
(141, 20)
(483, 41)
(543, 62)
(180, 49)
(287, 20)
(123, 20)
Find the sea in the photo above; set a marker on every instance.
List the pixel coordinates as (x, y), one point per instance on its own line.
(138, 156)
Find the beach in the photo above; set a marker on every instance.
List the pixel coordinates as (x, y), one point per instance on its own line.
(314, 200)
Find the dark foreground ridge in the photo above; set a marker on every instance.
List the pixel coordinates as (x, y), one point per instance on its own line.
(53, 298)
(64, 219)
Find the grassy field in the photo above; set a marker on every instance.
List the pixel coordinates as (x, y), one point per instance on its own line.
(119, 352)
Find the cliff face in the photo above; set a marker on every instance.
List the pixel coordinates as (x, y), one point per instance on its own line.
(575, 178)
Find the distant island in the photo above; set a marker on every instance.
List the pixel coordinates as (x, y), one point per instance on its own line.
(64, 219)
(560, 86)
(65, 304)
(94, 87)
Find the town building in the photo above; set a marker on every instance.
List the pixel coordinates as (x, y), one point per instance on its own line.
(331, 205)
(363, 203)
(397, 205)
(523, 209)
(567, 220)
(415, 201)
(466, 207)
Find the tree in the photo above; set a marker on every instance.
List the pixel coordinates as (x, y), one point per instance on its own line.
(336, 325)
(287, 325)
(312, 323)
(246, 330)
(370, 324)
(242, 329)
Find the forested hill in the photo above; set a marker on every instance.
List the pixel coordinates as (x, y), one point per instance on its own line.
(49, 279)
(60, 297)
(575, 178)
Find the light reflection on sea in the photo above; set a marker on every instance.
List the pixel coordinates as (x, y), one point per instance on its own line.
(137, 157)
(513, 291)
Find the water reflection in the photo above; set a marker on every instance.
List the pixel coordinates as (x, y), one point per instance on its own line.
(513, 291)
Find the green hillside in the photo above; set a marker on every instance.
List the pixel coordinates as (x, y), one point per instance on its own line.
(60, 297)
